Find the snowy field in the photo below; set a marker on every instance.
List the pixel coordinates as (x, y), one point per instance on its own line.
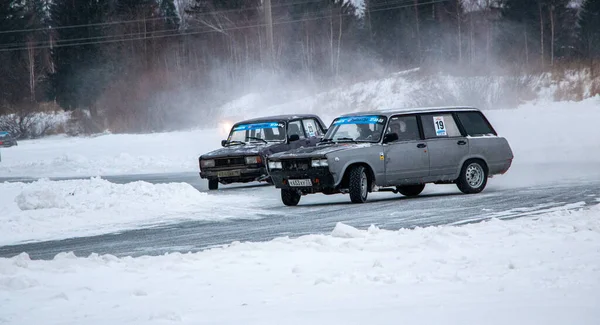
(542, 132)
(543, 270)
(552, 142)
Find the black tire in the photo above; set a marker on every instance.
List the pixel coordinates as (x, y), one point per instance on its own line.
(473, 177)
(411, 190)
(358, 184)
(290, 197)
(213, 184)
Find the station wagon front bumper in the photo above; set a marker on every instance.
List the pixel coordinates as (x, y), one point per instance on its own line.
(310, 181)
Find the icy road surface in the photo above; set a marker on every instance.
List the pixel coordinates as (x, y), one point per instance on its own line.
(265, 217)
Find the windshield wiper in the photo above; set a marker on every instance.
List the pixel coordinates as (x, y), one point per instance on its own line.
(235, 142)
(259, 139)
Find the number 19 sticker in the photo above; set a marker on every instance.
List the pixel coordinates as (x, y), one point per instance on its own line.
(440, 128)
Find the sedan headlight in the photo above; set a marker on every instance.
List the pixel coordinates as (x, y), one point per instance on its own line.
(207, 163)
(253, 160)
(275, 165)
(319, 163)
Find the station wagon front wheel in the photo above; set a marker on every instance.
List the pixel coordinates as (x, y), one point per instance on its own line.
(473, 177)
(290, 197)
(358, 185)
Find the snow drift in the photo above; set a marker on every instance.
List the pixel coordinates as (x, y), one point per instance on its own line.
(543, 270)
(45, 209)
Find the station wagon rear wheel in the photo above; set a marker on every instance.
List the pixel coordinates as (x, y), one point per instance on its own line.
(213, 184)
(473, 177)
(358, 184)
(411, 190)
(290, 197)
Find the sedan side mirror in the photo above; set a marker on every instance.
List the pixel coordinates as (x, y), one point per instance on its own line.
(294, 137)
(223, 143)
(390, 137)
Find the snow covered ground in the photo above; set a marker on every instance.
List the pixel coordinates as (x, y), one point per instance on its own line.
(543, 270)
(552, 141)
(541, 132)
(45, 210)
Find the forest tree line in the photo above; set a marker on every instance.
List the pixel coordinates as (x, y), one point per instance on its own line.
(147, 65)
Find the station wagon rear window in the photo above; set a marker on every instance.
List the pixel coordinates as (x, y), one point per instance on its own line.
(364, 128)
(439, 125)
(251, 132)
(475, 124)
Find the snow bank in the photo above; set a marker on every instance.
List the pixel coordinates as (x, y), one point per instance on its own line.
(45, 209)
(543, 270)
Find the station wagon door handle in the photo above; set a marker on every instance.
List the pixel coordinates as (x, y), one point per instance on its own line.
(461, 142)
(421, 145)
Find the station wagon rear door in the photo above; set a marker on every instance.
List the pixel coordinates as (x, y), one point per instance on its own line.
(446, 145)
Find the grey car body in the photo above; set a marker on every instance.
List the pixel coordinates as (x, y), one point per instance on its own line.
(245, 161)
(442, 145)
(6, 140)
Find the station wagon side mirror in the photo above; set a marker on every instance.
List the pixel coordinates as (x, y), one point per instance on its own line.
(294, 137)
(223, 143)
(390, 137)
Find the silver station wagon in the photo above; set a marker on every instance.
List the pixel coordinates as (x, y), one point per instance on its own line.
(394, 150)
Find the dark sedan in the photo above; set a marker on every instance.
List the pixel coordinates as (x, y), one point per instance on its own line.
(243, 156)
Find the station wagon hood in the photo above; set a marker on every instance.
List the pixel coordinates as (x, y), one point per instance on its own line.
(238, 150)
(319, 151)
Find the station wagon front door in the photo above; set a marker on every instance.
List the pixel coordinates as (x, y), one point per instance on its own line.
(446, 145)
(406, 159)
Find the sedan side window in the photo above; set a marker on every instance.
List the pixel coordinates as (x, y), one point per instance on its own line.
(405, 127)
(441, 125)
(312, 128)
(295, 127)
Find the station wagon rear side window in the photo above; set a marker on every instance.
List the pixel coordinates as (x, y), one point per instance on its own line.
(475, 123)
(439, 125)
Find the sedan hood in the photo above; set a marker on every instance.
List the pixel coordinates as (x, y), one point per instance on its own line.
(318, 151)
(238, 150)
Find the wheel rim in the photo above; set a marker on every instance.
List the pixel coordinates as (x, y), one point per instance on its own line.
(363, 185)
(475, 175)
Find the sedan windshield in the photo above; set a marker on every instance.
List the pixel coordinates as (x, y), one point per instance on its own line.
(257, 132)
(366, 128)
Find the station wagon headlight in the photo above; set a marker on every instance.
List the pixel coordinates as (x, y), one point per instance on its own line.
(319, 163)
(207, 163)
(275, 165)
(253, 160)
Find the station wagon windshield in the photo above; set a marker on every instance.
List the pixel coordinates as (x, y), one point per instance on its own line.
(366, 128)
(257, 132)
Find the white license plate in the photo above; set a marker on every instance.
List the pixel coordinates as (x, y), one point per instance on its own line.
(299, 182)
(228, 173)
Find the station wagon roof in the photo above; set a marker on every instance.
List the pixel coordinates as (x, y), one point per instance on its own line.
(286, 117)
(412, 110)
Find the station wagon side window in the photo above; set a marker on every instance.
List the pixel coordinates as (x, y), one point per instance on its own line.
(295, 127)
(439, 125)
(405, 126)
(312, 128)
(475, 123)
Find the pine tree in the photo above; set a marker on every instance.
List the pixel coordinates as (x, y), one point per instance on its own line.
(81, 70)
(589, 31)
